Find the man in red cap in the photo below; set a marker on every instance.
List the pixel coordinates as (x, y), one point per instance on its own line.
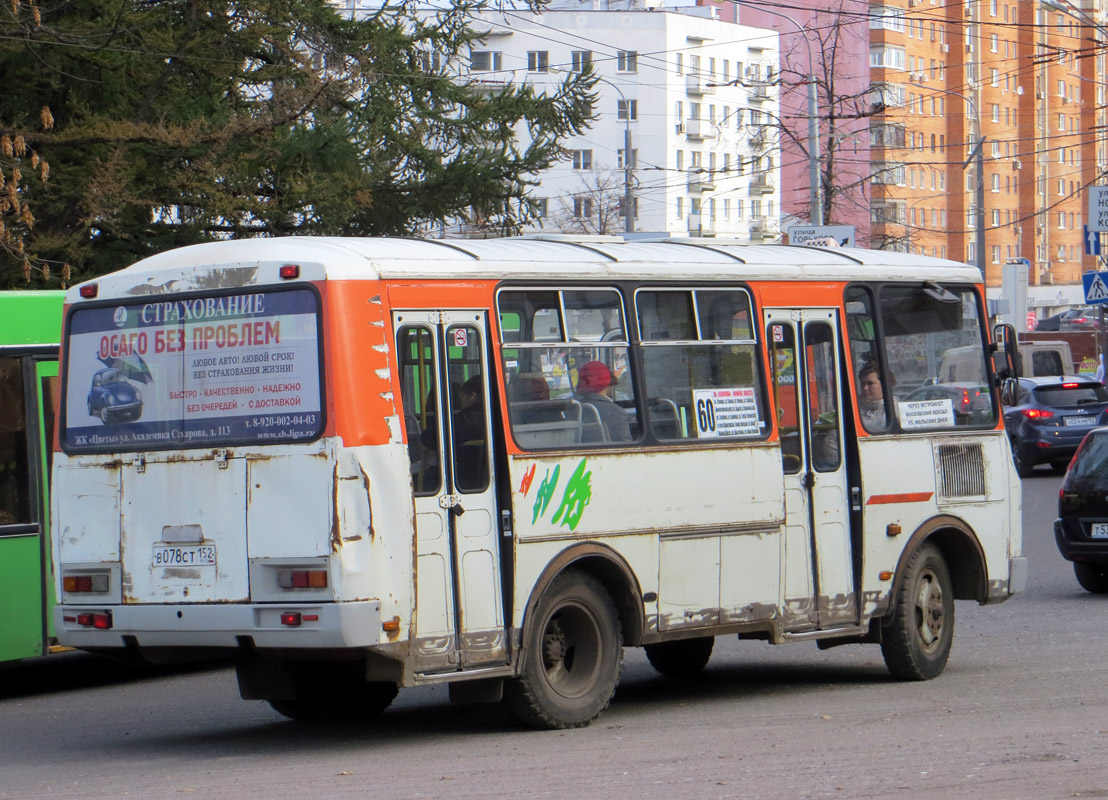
(594, 386)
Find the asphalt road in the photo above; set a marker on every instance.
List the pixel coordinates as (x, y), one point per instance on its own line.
(1021, 712)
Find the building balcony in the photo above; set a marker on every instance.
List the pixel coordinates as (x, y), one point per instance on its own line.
(763, 184)
(701, 180)
(696, 128)
(700, 225)
(697, 84)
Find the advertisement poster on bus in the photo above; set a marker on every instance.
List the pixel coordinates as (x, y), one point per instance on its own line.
(194, 372)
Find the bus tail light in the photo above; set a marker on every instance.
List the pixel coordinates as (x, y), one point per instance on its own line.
(89, 290)
(302, 578)
(290, 618)
(289, 271)
(101, 620)
(95, 583)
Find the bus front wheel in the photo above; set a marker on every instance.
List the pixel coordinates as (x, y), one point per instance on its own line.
(916, 642)
(573, 657)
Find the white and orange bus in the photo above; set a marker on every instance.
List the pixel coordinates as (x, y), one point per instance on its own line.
(365, 464)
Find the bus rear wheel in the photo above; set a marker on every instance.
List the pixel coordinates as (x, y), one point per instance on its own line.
(573, 656)
(335, 693)
(916, 642)
(682, 658)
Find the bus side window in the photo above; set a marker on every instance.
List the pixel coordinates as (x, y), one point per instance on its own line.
(415, 351)
(700, 364)
(782, 354)
(566, 368)
(14, 476)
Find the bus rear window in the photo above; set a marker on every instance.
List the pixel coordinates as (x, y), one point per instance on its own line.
(193, 372)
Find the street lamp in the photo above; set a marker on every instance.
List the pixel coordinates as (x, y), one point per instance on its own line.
(815, 202)
(977, 156)
(628, 170)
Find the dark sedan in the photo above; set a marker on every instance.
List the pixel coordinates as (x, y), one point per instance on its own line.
(1050, 417)
(1081, 530)
(113, 398)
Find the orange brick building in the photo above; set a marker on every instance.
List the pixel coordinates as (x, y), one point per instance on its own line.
(1028, 76)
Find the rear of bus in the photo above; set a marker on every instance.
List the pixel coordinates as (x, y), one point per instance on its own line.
(206, 499)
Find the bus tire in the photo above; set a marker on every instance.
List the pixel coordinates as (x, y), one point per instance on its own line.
(573, 656)
(916, 642)
(334, 693)
(680, 659)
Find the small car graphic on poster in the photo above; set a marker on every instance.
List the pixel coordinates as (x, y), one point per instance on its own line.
(113, 398)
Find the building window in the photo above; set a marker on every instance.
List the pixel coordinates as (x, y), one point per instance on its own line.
(542, 206)
(890, 57)
(485, 60)
(582, 159)
(582, 207)
(627, 109)
(627, 61)
(580, 59)
(538, 61)
(634, 158)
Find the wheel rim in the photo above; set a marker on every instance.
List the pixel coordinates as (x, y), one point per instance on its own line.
(571, 650)
(930, 613)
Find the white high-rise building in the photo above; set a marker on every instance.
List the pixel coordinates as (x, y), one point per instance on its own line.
(694, 96)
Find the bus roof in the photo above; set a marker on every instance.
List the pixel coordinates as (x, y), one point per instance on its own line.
(241, 262)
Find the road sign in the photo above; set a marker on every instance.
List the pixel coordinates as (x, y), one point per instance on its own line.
(1032, 321)
(1092, 242)
(824, 235)
(1096, 287)
(1098, 208)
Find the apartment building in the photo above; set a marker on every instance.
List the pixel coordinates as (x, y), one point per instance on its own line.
(1024, 79)
(687, 107)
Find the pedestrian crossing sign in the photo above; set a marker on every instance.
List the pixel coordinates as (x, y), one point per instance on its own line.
(1096, 287)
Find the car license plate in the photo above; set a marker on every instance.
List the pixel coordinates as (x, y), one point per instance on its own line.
(1080, 421)
(1098, 530)
(169, 555)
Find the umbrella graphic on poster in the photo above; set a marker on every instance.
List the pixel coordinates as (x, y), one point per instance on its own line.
(132, 367)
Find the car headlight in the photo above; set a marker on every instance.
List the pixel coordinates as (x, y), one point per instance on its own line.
(138, 394)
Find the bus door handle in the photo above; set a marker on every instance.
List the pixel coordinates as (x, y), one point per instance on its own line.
(809, 479)
(452, 503)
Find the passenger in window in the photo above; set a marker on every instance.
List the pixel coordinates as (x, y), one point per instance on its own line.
(594, 386)
(529, 400)
(469, 436)
(871, 398)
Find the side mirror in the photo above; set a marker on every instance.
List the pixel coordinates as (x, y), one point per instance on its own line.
(1008, 353)
(1009, 391)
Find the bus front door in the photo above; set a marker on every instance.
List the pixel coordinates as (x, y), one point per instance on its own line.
(459, 611)
(819, 565)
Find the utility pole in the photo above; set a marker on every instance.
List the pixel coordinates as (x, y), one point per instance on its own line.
(977, 157)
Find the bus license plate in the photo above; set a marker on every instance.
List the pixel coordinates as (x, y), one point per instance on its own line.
(1099, 530)
(1080, 421)
(184, 556)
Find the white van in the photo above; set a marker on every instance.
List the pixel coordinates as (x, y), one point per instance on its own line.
(1039, 359)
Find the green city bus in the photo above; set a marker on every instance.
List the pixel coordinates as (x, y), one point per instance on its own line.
(30, 332)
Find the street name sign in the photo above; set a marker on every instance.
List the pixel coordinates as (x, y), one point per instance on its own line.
(824, 235)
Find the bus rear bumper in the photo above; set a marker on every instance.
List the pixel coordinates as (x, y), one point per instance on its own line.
(294, 626)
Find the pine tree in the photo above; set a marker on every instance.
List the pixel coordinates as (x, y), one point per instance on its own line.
(128, 127)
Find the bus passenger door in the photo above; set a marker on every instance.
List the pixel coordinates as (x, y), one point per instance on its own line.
(819, 568)
(26, 432)
(459, 613)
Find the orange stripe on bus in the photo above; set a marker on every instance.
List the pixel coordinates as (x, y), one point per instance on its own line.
(907, 497)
